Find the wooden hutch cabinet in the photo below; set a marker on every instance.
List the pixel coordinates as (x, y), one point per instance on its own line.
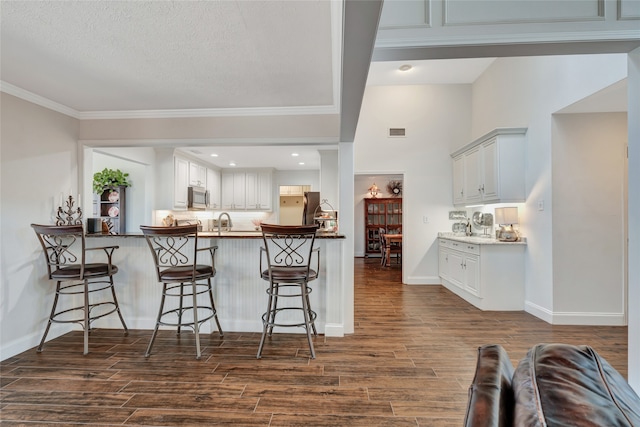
(380, 213)
(110, 207)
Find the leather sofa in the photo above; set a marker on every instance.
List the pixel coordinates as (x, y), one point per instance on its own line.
(554, 385)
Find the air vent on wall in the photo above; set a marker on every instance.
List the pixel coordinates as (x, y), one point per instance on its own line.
(397, 132)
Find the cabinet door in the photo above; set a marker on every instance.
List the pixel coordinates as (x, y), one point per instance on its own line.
(472, 274)
(393, 219)
(443, 263)
(213, 186)
(233, 190)
(265, 190)
(490, 173)
(458, 180)
(251, 188)
(472, 178)
(180, 182)
(197, 175)
(456, 268)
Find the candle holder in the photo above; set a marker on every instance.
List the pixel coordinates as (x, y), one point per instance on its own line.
(68, 215)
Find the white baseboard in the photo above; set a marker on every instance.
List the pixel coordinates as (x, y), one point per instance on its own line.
(26, 342)
(576, 318)
(422, 280)
(334, 330)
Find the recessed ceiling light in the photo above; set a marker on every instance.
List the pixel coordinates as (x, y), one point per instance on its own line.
(301, 163)
(232, 163)
(295, 154)
(405, 67)
(214, 155)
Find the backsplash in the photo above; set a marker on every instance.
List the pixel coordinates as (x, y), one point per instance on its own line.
(242, 221)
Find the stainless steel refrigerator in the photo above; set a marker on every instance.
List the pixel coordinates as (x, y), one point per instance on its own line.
(311, 201)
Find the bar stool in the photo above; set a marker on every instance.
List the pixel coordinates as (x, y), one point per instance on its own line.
(65, 253)
(175, 251)
(285, 262)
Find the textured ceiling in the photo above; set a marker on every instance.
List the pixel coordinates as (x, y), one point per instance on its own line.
(158, 55)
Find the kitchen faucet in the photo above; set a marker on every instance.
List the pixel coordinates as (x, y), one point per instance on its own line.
(229, 223)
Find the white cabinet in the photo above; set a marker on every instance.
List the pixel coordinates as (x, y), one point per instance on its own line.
(461, 265)
(458, 180)
(180, 182)
(294, 190)
(233, 190)
(259, 190)
(247, 190)
(171, 180)
(197, 175)
(213, 186)
(488, 275)
(490, 169)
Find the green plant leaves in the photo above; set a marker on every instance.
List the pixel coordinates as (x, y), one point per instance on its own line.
(109, 178)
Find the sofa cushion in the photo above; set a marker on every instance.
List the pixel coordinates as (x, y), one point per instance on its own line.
(490, 395)
(564, 385)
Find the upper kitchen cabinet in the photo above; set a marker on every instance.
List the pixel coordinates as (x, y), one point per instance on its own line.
(213, 186)
(197, 175)
(172, 180)
(259, 190)
(247, 190)
(490, 169)
(233, 190)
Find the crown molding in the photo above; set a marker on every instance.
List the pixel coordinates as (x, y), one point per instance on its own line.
(209, 112)
(37, 99)
(162, 114)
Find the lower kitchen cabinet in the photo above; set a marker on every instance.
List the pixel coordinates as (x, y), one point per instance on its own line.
(488, 275)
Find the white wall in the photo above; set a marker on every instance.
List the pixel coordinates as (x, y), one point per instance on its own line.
(138, 202)
(589, 235)
(634, 219)
(437, 119)
(526, 92)
(39, 157)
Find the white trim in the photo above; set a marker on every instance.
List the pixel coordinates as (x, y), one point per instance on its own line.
(538, 311)
(32, 340)
(163, 114)
(209, 112)
(334, 330)
(503, 39)
(423, 280)
(590, 319)
(37, 99)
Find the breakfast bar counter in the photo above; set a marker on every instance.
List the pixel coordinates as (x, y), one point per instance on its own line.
(239, 291)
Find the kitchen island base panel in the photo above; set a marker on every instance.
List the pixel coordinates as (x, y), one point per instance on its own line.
(239, 291)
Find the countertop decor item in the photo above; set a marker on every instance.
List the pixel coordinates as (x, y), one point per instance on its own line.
(109, 178)
(394, 188)
(374, 190)
(68, 214)
(506, 217)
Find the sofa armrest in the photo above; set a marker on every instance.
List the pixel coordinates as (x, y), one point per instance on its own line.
(565, 385)
(491, 397)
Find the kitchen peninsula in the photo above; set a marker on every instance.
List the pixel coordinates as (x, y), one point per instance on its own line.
(239, 291)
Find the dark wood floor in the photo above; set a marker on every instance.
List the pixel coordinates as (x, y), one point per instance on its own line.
(409, 362)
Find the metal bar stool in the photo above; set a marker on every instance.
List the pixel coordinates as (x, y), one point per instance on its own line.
(175, 251)
(285, 262)
(65, 253)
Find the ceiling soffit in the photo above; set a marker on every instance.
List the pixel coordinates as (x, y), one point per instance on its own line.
(172, 59)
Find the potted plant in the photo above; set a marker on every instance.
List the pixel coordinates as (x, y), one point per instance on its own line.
(111, 179)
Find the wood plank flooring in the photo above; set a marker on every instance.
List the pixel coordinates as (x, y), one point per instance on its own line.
(409, 363)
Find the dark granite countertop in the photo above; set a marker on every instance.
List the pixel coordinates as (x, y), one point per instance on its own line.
(223, 235)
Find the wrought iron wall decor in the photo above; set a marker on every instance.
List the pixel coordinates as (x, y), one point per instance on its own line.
(68, 215)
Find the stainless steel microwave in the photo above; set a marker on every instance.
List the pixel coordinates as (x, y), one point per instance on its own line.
(197, 198)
